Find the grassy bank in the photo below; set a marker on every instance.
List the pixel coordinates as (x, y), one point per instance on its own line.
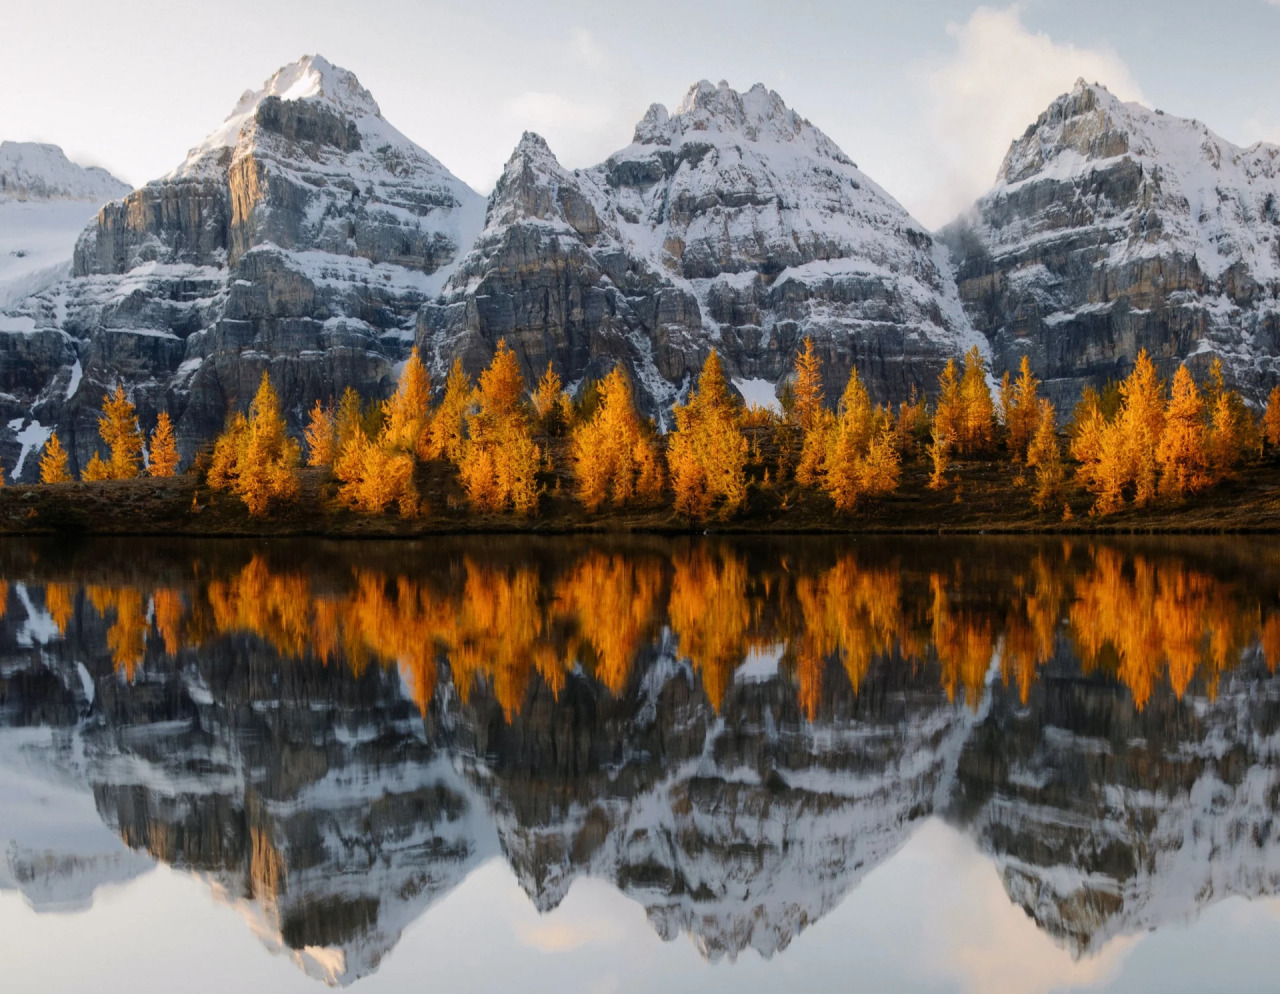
(983, 496)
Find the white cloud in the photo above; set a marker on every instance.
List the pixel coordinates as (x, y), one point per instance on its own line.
(998, 80)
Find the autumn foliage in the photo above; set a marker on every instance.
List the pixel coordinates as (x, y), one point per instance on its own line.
(164, 448)
(614, 457)
(254, 457)
(53, 463)
(498, 460)
(707, 454)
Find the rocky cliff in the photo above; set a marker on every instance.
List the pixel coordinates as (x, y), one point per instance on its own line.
(301, 236)
(733, 223)
(1113, 228)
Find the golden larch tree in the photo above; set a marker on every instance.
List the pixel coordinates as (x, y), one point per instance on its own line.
(551, 405)
(707, 453)
(1021, 408)
(164, 448)
(1183, 454)
(861, 457)
(118, 429)
(949, 415)
(1271, 419)
(449, 425)
(806, 390)
(1142, 424)
(53, 463)
(614, 459)
(1044, 454)
(377, 472)
(977, 430)
(407, 415)
(499, 460)
(254, 457)
(321, 436)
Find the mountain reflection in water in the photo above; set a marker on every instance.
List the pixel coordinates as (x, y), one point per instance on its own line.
(733, 734)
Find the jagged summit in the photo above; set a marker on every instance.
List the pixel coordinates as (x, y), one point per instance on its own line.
(38, 171)
(1113, 227)
(711, 113)
(312, 78)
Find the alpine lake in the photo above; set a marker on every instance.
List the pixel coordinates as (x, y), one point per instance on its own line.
(598, 764)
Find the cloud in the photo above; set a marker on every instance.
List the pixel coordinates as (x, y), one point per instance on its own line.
(998, 79)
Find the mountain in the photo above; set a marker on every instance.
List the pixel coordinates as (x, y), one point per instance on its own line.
(733, 223)
(301, 236)
(1113, 228)
(1105, 819)
(45, 202)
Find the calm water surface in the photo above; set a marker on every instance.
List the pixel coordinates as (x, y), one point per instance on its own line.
(680, 765)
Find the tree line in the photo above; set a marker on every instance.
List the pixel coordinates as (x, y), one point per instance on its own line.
(1132, 443)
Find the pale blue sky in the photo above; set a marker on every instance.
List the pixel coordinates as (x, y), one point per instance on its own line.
(924, 95)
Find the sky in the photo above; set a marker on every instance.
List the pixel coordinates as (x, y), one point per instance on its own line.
(925, 95)
(934, 918)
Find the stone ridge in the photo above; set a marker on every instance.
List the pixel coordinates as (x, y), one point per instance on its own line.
(1113, 228)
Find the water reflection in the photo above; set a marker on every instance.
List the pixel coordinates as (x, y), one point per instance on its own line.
(732, 734)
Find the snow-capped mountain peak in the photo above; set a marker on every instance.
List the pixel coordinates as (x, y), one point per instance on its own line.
(37, 171)
(312, 79)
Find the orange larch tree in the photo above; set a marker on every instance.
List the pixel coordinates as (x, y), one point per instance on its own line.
(164, 448)
(614, 458)
(977, 431)
(949, 414)
(449, 426)
(53, 463)
(254, 457)
(707, 453)
(552, 408)
(118, 429)
(321, 436)
(499, 460)
(861, 458)
(1183, 454)
(1021, 407)
(1044, 454)
(1271, 419)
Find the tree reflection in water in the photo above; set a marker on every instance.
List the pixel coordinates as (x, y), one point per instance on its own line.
(322, 717)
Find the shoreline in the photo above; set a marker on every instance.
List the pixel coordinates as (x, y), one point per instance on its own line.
(982, 501)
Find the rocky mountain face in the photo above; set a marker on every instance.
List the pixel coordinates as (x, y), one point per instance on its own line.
(301, 236)
(45, 202)
(1113, 228)
(181, 707)
(738, 827)
(732, 224)
(1106, 819)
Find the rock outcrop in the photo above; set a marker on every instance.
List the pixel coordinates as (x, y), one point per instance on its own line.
(1113, 228)
(733, 224)
(302, 237)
